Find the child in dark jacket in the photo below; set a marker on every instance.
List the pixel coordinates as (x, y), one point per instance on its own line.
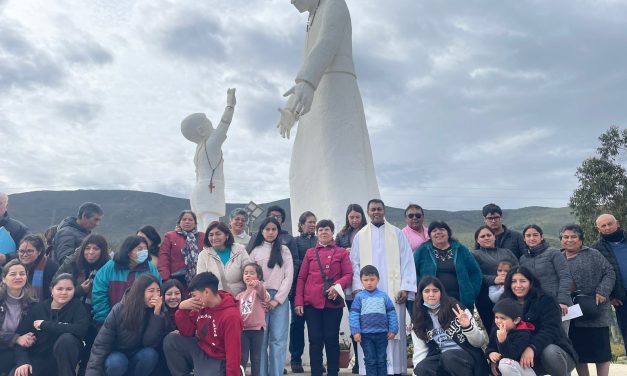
(508, 339)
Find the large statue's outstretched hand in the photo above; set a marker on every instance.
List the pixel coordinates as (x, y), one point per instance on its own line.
(288, 119)
(230, 97)
(302, 94)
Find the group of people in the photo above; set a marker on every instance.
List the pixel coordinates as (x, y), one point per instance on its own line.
(218, 301)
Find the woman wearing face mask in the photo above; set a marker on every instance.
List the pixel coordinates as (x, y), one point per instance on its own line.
(59, 325)
(92, 254)
(127, 342)
(178, 254)
(16, 299)
(39, 267)
(118, 274)
(154, 242)
(488, 258)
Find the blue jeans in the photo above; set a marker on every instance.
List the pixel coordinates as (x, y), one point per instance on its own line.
(140, 364)
(375, 347)
(274, 347)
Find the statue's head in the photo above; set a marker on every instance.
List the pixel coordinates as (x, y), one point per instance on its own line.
(305, 5)
(196, 127)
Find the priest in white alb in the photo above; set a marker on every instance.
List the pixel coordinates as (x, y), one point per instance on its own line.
(384, 246)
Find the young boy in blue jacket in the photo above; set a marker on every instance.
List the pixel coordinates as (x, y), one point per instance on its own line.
(373, 321)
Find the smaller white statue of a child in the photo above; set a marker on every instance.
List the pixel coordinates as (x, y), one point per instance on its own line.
(207, 200)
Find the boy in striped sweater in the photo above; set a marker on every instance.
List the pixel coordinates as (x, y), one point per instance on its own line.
(373, 321)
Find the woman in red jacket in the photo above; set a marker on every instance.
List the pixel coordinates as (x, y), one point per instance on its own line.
(178, 254)
(319, 302)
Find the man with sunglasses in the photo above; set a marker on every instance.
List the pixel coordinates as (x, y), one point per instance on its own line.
(415, 231)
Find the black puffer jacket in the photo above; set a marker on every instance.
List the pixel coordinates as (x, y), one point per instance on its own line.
(17, 230)
(542, 311)
(72, 318)
(604, 246)
(114, 337)
(69, 236)
(511, 240)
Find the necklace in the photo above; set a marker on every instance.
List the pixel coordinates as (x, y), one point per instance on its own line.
(213, 169)
(312, 17)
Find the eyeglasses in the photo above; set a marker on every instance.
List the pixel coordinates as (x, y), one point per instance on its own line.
(493, 219)
(25, 252)
(412, 215)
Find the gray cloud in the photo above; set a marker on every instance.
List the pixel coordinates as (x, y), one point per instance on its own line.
(466, 103)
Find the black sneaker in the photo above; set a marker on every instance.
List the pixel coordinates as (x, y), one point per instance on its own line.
(297, 368)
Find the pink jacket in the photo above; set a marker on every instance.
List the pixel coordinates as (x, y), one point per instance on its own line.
(253, 313)
(310, 283)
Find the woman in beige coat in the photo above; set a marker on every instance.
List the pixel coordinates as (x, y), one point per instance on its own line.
(223, 257)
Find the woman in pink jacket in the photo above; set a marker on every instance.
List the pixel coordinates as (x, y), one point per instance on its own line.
(325, 269)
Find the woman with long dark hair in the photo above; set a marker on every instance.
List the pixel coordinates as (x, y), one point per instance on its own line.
(118, 274)
(127, 342)
(16, 299)
(172, 294)
(92, 254)
(355, 220)
(278, 270)
(488, 257)
(550, 351)
(549, 267)
(307, 239)
(59, 325)
(39, 267)
(178, 254)
(446, 338)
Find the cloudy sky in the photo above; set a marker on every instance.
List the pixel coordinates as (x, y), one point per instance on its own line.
(467, 102)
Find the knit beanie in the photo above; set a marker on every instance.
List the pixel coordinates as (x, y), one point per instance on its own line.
(508, 307)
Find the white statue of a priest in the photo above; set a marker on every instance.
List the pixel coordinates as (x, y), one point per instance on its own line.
(331, 164)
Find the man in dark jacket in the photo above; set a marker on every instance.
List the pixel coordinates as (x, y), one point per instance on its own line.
(505, 238)
(11, 231)
(612, 244)
(72, 230)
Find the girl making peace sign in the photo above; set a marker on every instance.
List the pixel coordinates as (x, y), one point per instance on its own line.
(446, 338)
